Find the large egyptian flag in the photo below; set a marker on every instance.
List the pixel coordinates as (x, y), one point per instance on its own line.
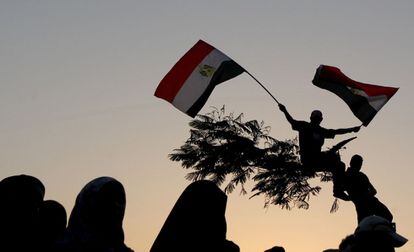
(192, 79)
(365, 100)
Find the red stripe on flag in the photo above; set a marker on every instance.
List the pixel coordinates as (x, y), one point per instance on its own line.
(333, 74)
(176, 77)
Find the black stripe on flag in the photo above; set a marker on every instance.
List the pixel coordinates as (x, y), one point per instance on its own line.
(358, 104)
(226, 71)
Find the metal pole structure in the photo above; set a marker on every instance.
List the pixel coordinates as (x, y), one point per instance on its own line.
(262, 87)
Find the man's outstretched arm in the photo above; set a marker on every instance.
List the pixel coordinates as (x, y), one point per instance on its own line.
(346, 130)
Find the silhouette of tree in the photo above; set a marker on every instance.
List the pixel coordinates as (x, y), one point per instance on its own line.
(224, 148)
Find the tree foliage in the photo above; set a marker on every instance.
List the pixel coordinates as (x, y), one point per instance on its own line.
(224, 148)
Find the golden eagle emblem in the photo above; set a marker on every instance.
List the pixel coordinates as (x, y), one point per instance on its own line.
(206, 70)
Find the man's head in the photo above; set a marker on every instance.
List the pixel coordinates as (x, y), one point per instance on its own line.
(356, 162)
(373, 233)
(316, 117)
(381, 228)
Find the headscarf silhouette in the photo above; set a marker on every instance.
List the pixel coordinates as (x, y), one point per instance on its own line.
(52, 222)
(95, 223)
(196, 222)
(20, 197)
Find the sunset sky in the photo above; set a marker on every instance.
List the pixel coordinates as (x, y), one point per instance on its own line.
(76, 102)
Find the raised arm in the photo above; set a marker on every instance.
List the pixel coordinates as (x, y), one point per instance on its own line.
(287, 115)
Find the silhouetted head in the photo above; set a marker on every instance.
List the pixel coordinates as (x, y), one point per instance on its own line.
(356, 162)
(52, 221)
(373, 233)
(98, 213)
(316, 117)
(20, 199)
(196, 222)
(380, 229)
(366, 242)
(22, 191)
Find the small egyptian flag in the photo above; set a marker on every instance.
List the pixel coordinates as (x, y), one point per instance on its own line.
(365, 100)
(192, 79)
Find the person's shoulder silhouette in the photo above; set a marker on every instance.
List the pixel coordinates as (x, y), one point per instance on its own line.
(196, 222)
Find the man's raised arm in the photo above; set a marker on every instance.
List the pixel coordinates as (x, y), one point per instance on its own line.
(288, 116)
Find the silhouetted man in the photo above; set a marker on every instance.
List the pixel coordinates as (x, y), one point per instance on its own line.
(312, 137)
(362, 193)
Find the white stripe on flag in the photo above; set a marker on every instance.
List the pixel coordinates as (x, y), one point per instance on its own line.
(376, 102)
(196, 83)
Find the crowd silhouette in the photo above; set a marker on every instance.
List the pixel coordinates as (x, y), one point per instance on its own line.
(196, 222)
(30, 223)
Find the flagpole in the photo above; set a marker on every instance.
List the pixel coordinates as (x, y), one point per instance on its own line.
(262, 86)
